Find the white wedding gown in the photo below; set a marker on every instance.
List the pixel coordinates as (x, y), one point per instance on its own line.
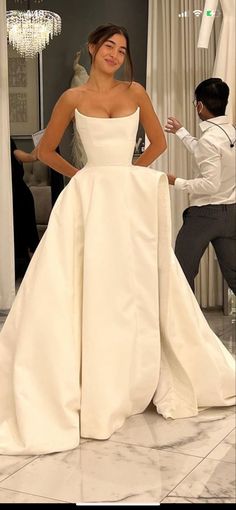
(104, 320)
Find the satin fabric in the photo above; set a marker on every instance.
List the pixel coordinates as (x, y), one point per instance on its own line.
(104, 320)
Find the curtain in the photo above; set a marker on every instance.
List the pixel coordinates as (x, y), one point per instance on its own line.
(174, 68)
(7, 274)
(225, 64)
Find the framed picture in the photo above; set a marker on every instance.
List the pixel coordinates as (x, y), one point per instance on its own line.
(24, 94)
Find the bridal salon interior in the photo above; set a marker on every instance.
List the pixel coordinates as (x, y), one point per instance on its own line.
(149, 458)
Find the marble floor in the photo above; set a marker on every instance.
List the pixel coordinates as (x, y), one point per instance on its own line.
(149, 460)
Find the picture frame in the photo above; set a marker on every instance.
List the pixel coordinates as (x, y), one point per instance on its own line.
(24, 94)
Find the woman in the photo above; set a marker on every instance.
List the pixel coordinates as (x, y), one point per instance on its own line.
(113, 323)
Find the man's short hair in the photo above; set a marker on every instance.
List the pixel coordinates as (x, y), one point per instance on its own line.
(213, 93)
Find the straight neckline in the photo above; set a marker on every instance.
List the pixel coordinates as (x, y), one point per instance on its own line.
(106, 118)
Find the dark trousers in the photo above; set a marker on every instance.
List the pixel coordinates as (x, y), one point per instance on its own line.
(57, 185)
(26, 236)
(214, 224)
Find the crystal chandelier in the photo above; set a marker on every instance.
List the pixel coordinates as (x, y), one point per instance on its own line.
(30, 31)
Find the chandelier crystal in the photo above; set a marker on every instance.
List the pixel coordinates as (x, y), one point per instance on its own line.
(29, 31)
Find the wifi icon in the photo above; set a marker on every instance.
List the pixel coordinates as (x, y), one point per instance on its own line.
(197, 12)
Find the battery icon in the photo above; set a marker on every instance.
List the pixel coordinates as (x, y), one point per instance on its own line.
(210, 12)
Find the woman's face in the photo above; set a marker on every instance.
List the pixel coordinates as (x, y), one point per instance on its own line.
(111, 55)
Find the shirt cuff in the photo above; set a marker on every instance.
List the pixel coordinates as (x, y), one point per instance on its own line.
(180, 183)
(182, 132)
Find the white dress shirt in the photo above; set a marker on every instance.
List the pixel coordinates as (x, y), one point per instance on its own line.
(215, 163)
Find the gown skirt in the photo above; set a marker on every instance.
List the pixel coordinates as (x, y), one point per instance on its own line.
(104, 321)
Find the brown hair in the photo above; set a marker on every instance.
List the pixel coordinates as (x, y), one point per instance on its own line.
(103, 33)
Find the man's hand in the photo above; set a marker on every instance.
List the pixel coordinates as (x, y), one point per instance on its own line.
(171, 179)
(172, 125)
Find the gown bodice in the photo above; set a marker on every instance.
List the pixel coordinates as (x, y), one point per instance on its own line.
(108, 141)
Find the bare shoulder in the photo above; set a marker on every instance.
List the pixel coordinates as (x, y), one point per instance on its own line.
(134, 86)
(68, 101)
(138, 89)
(139, 94)
(148, 116)
(71, 96)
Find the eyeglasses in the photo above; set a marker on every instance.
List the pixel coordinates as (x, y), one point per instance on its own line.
(195, 102)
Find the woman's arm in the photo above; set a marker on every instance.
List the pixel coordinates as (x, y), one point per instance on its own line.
(63, 113)
(151, 125)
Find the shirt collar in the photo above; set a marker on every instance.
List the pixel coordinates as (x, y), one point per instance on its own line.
(223, 119)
